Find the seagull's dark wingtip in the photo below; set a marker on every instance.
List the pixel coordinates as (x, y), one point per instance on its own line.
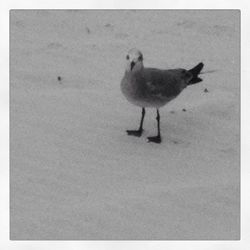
(195, 72)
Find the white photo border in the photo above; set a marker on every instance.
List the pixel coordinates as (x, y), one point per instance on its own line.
(6, 6)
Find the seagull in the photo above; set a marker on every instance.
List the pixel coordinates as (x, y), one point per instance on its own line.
(153, 88)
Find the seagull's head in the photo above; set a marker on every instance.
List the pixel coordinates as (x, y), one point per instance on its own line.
(134, 60)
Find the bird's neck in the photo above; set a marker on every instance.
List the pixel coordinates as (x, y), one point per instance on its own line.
(134, 72)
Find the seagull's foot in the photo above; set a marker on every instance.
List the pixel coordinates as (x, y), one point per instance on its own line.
(135, 132)
(155, 139)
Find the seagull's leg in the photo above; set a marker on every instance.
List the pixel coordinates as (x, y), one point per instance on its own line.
(156, 139)
(140, 130)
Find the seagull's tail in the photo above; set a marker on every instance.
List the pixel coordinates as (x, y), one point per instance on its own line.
(195, 72)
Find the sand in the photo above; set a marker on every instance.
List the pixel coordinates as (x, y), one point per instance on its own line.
(74, 172)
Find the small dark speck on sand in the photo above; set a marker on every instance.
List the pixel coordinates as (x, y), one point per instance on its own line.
(205, 90)
(59, 78)
(184, 110)
(88, 30)
(172, 112)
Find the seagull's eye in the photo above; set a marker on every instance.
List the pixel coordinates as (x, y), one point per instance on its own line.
(140, 58)
(127, 57)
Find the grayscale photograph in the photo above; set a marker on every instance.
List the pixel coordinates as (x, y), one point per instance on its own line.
(124, 124)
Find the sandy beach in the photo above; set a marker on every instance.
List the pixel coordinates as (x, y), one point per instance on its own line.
(75, 174)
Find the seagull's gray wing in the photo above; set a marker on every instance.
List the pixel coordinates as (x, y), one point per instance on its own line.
(165, 83)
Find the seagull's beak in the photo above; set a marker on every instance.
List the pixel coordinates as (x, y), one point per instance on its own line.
(132, 65)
